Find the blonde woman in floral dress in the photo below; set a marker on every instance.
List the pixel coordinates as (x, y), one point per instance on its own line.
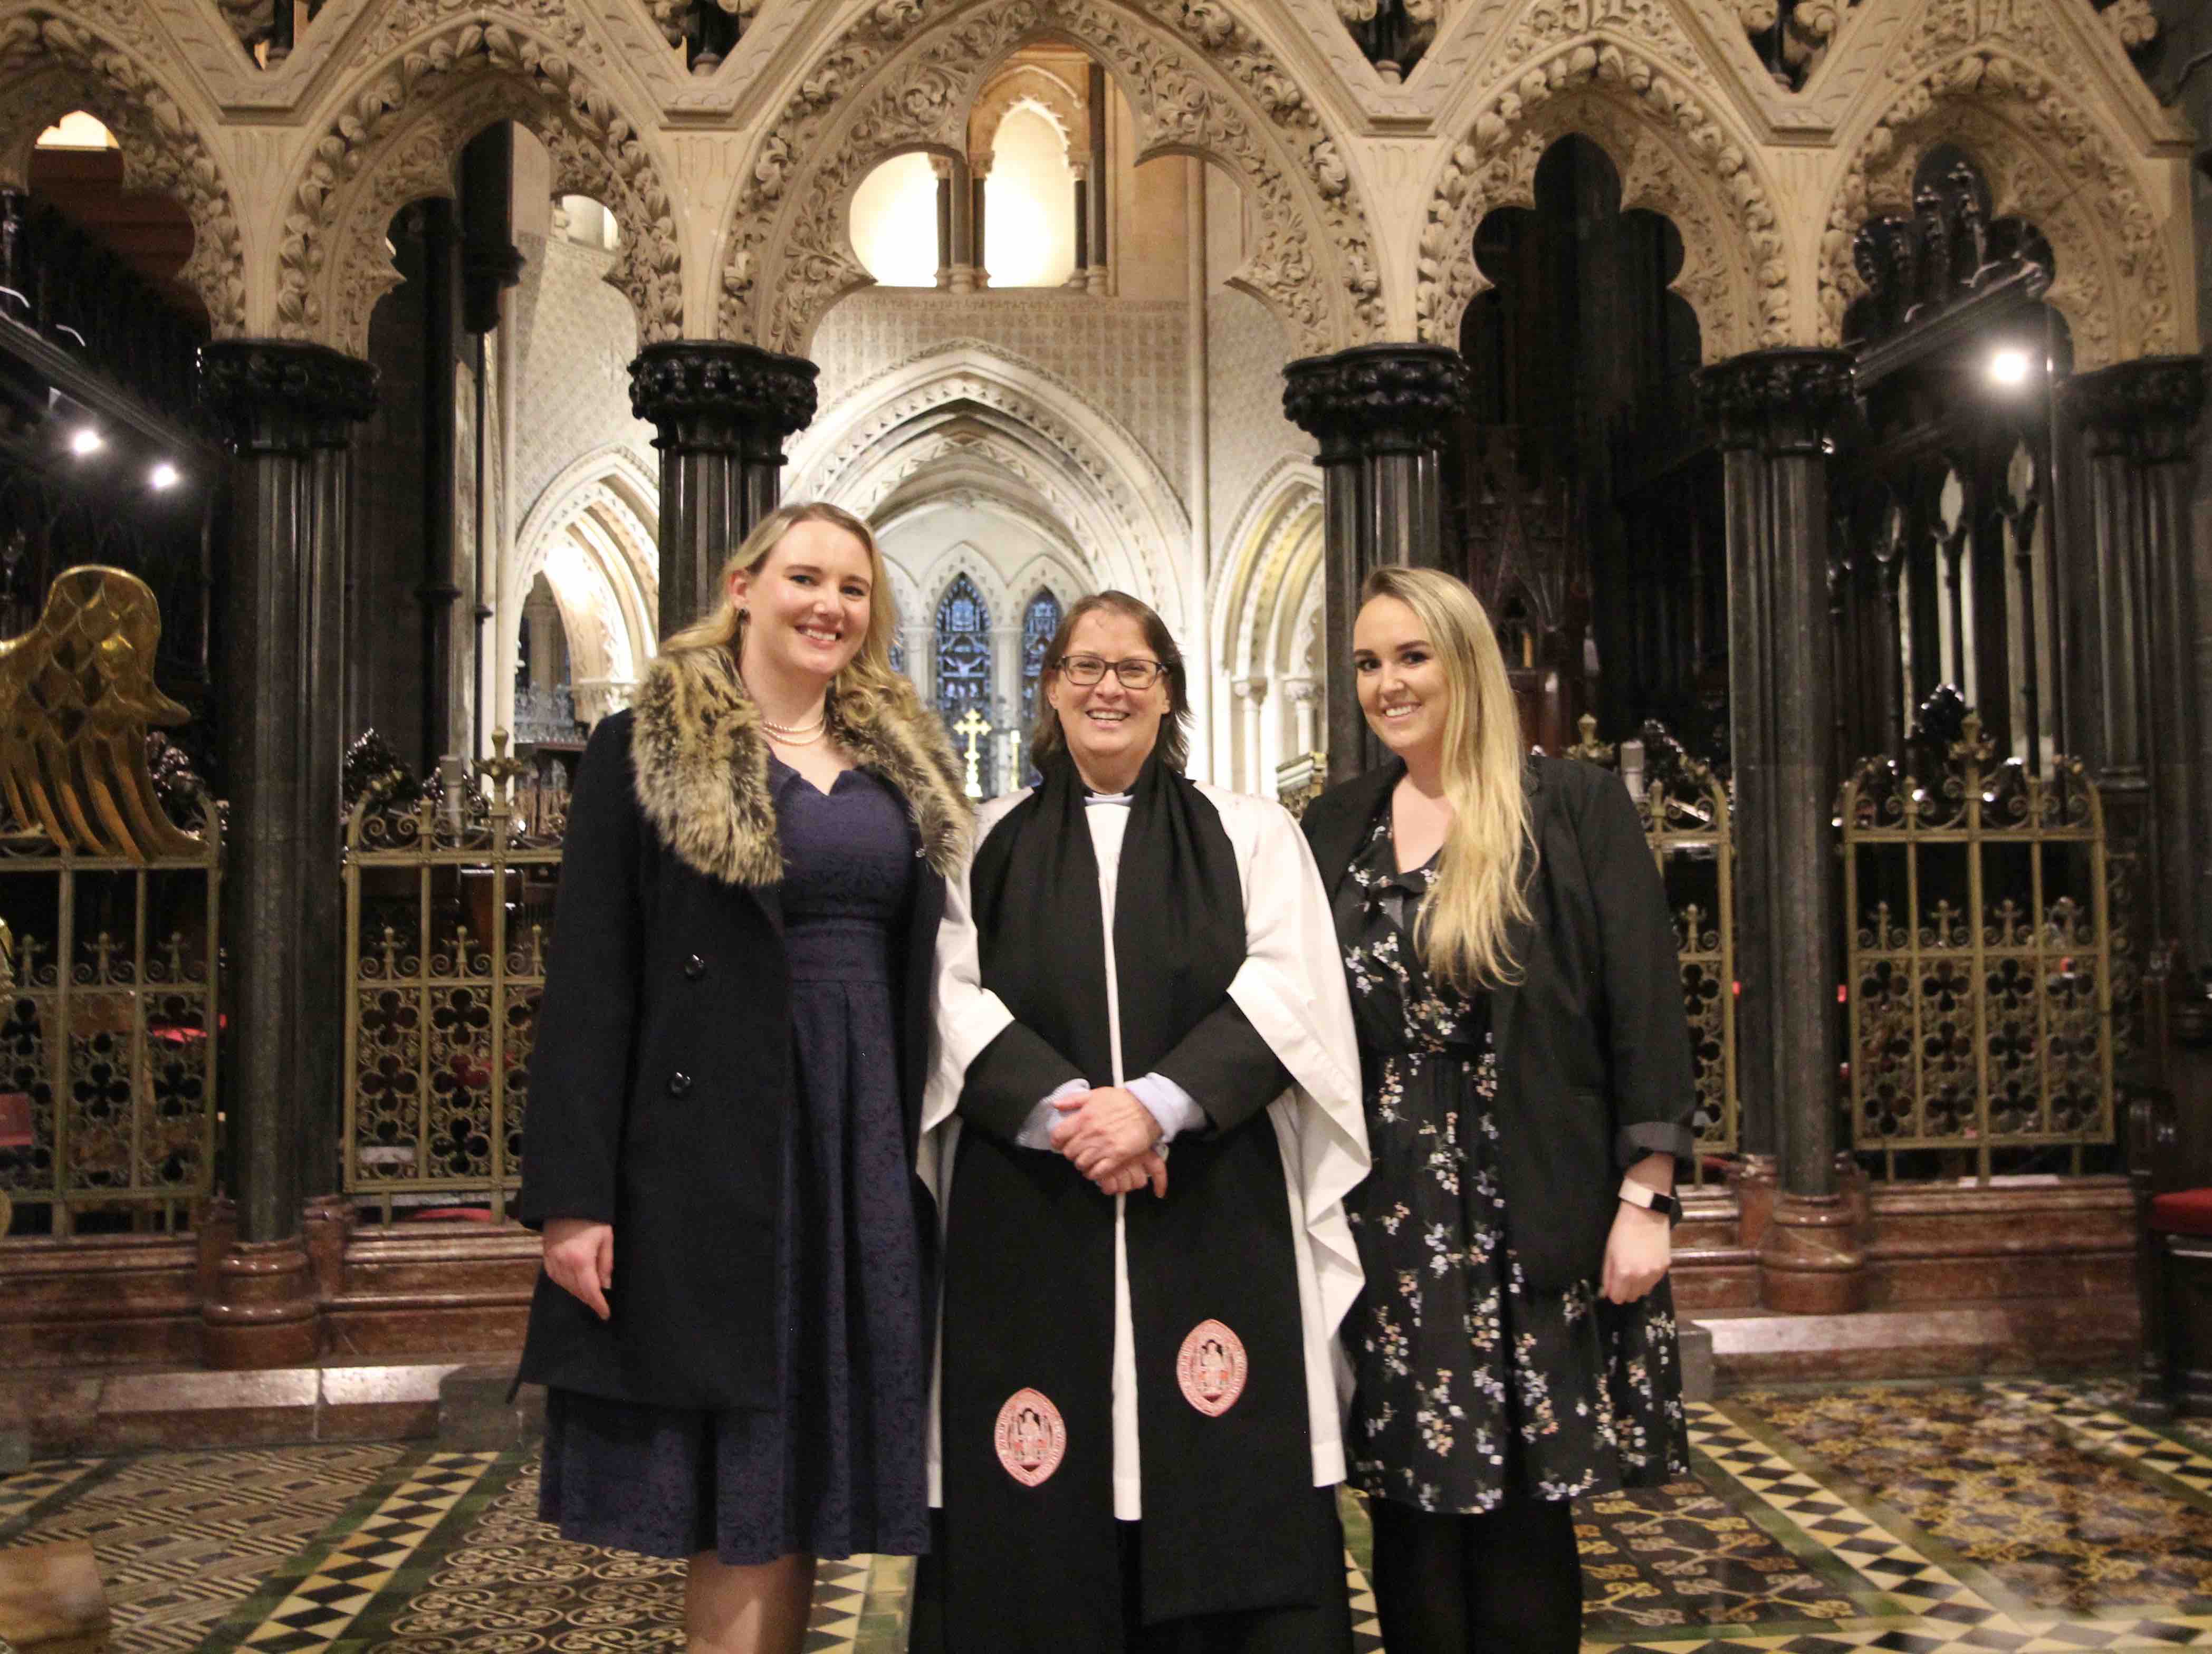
(1529, 1090)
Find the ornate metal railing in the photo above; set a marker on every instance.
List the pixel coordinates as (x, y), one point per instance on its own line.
(1981, 959)
(110, 891)
(1690, 825)
(449, 910)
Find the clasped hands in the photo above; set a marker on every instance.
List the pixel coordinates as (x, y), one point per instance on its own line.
(1111, 1138)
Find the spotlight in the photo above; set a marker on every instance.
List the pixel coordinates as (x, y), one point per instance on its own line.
(165, 475)
(2010, 366)
(85, 440)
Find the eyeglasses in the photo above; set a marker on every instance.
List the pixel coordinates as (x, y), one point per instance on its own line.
(1135, 673)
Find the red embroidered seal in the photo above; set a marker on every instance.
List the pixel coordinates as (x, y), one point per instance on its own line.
(1211, 1368)
(1031, 1437)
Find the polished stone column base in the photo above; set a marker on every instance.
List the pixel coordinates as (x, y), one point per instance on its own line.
(326, 1226)
(1812, 1255)
(262, 1312)
(1753, 1180)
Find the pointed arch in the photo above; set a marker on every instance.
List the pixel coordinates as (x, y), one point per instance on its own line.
(1043, 448)
(1039, 88)
(396, 138)
(50, 65)
(593, 531)
(1275, 551)
(2047, 158)
(1676, 155)
(904, 77)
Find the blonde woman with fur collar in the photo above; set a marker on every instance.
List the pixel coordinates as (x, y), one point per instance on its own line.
(732, 1322)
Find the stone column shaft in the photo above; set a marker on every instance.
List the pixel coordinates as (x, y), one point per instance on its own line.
(1773, 411)
(287, 411)
(722, 412)
(1382, 414)
(2135, 419)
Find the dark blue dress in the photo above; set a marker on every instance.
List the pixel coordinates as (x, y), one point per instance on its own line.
(835, 1469)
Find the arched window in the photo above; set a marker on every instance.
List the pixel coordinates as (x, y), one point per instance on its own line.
(963, 651)
(1039, 621)
(899, 653)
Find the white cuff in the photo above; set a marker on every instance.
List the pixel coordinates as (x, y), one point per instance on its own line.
(1168, 1103)
(1037, 1131)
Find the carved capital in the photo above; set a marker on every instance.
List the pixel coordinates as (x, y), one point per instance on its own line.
(1779, 402)
(278, 396)
(1377, 398)
(711, 394)
(2143, 409)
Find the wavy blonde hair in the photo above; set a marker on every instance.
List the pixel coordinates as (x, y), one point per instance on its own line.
(867, 688)
(1479, 892)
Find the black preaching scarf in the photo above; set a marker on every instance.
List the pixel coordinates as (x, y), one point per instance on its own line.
(1030, 1261)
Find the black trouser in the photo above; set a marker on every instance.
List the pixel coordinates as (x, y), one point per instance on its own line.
(1507, 1581)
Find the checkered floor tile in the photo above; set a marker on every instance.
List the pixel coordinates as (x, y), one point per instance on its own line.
(323, 1605)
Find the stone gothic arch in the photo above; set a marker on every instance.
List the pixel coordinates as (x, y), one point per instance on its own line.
(1675, 156)
(1274, 558)
(904, 77)
(1087, 480)
(50, 65)
(2047, 158)
(593, 531)
(395, 139)
(1033, 84)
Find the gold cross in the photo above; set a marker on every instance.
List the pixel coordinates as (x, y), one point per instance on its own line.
(972, 726)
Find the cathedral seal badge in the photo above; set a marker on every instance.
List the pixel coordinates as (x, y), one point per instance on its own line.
(1211, 1368)
(1031, 1437)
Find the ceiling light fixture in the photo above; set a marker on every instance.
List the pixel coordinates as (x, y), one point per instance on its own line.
(165, 476)
(2010, 366)
(85, 440)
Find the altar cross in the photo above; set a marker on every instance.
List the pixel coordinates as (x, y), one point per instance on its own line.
(972, 727)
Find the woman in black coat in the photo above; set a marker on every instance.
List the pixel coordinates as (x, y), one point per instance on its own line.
(1526, 1062)
(726, 1095)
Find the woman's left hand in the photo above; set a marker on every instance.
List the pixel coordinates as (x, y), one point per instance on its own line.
(1637, 1253)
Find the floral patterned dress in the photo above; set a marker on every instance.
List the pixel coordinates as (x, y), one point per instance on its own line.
(1472, 1385)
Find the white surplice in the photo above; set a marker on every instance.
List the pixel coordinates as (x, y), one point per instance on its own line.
(1291, 988)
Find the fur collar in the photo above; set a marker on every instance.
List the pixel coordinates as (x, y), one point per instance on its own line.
(701, 762)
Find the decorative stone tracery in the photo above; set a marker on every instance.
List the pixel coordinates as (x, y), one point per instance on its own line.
(396, 141)
(1675, 157)
(2045, 160)
(1030, 83)
(49, 66)
(1197, 79)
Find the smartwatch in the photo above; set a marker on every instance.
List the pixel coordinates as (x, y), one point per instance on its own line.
(1652, 1200)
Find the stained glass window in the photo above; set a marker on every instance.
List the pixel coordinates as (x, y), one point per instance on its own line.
(964, 650)
(898, 653)
(1039, 621)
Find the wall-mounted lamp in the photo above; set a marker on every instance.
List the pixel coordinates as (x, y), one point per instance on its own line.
(2010, 366)
(86, 441)
(165, 475)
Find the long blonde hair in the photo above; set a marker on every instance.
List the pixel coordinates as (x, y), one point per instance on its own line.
(866, 686)
(1479, 894)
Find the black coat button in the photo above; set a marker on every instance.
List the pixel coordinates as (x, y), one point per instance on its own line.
(694, 967)
(679, 1085)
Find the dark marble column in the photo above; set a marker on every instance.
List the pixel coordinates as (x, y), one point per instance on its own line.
(286, 412)
(438, 590)
(1382, 414)
(722, 412)
(1773, 411)
(2141, 693)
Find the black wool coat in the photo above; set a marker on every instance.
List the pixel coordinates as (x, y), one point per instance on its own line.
(1592, 1041)
(662, 1081)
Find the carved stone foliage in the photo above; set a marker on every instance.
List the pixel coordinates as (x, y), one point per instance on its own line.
(1792, 36)
(1030, 83)
(2047, 162)
(1777, 402)
(702, 394)
(396, 141)
(1675, 158)
(2143, 411)
(49, 65)
(1378, 398)
(1197, 79)
(269, 398)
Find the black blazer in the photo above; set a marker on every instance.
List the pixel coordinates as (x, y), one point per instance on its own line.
(661, 1083)
(1592, 1042)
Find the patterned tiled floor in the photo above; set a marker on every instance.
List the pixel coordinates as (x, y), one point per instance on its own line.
(2013, 1515)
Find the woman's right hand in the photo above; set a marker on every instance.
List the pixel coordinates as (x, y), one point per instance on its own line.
(580, 1256)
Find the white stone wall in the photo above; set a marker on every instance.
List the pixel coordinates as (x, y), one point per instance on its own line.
(1125, 355)
(576, 336)
(1247, 433)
